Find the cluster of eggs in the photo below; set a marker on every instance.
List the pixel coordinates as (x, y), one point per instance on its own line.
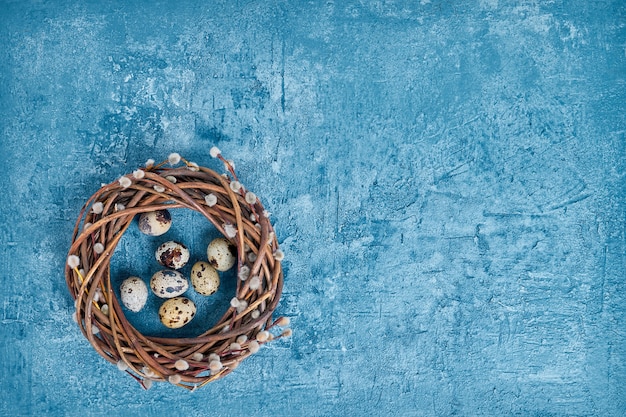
(170, 283)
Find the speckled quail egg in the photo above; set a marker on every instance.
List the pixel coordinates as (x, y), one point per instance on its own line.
(155, 223)
(134, 293)
(176, 312)
(204, 278)
(222, 255)
(172, 254)
(168, 284)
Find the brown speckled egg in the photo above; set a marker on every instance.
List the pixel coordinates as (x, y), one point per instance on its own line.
(134, 293)
(155, 223)
(172, 254)
(204, 278)
(177, 312)
(168, 284)
(222, 255)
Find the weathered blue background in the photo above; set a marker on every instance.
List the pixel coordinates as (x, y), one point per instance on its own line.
(446, 179)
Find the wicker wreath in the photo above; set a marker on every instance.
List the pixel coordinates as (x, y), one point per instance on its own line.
(236, 213)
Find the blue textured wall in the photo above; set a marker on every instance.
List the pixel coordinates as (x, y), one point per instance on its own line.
(446, 179)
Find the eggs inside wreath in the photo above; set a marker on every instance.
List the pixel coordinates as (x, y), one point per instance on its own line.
(248, 244)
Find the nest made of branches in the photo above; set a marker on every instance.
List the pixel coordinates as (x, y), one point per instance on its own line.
(236, 213)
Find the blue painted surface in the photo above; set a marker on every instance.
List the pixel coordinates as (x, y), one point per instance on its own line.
(446, 179)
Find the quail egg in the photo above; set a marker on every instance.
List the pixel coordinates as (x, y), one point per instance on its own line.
(204, 278)
(155, 223)
(222, 255)
(134, 293)
(176, 312)
(172, 254)
(168, 284)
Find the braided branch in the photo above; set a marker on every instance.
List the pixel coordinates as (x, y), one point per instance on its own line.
(237, 214)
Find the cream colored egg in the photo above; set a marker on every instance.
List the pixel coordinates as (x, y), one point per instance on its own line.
(222, 255)
(134, 293)
(155, 223)
(204, 278)
(172, 254)
(168, 284)
(177, 312)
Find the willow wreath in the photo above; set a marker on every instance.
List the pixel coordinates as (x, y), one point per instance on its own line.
(236, 213)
